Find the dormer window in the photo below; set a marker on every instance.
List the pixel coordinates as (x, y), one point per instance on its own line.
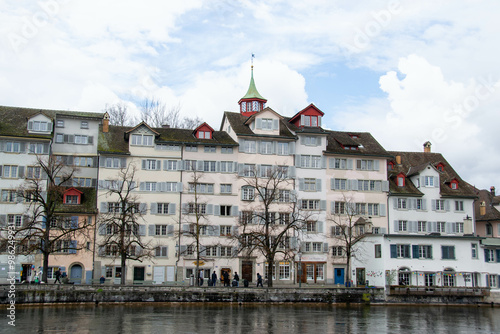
(352, 135)
(142, 140)
(267, 124)
(84, 125)
(390, 165)
(204, 135)
(72, 196)
(440, 167)
(309, 121)
(204, 131)
(401, 180)
(39, 126)
(454, 184)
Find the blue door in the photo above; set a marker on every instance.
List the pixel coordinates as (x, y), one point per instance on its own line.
(75, 274)
(339, 275)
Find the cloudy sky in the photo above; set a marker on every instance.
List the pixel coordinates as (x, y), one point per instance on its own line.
(406, 71)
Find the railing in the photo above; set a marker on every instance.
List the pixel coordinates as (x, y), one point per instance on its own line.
(439, 291)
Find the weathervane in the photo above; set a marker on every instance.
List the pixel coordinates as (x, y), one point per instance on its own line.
(253, 56)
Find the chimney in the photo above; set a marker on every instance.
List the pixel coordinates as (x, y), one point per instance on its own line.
(165, 126)
(398, 160)
(482, 208)
(427, 147)
(492, 191)
(105, 123)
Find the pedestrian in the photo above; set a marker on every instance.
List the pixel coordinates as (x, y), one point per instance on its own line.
(259, 280)
(214, 278)
(226, 279)
(58, 276)
(237, 278)
(102, 280)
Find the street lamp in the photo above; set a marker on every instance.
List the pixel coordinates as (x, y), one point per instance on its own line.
(300, 269)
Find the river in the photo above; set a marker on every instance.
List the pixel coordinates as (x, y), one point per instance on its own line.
(256, 318)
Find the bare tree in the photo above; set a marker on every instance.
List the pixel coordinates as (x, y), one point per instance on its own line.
(44, 229)
(118, 114)
(119, 221)
(155, 113)
(348, 228)
(270, 223)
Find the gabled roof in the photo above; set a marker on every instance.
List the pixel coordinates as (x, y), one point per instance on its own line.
(412, 163)
(202, 125)
(492, 212)
(266, 109)
(87, 206)
(239, 126)
(73, 189)
(127, 133)
(310, 106)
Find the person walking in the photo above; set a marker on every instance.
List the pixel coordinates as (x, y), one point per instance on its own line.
(237, 278)
(259, 280)
(58, 276)
(214, 278)
(226, 279)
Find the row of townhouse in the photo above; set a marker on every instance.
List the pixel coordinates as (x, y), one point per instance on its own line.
(413, 214)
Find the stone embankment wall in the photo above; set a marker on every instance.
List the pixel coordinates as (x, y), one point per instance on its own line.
(28, 294)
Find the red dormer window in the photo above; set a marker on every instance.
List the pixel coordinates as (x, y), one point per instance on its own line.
(454, 184)
(204, 131)
(401, 180)
(72, 196)
(309, 117)
(440, 166)
(390, 165)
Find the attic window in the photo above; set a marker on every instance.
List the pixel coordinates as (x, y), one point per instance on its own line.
(309, 121)
(353, 136)
(39, 126)
(401, 180)
(204, 135)
(440, 166)
(71, 199)
(390, 165)
(454, 184)
(351, 147)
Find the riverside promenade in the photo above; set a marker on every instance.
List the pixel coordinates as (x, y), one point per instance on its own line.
(55, 294)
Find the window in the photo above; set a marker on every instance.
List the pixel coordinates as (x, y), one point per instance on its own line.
(109, 272)
(361, 208)
(401, 181)
(190, 250)
(339, 208)
(473, 251)
(373, 209)
(419, 204)
(225, 251)
(365, 164)
(209, 166)
(226, 166)
(246, 217)
(170, 164)
(199, 208)
(226, 188)
(448, 277)
(83, 161)
(440, 205)
(311, 227)
(489, 229)
(114, 207)
(225, 210)
(401, 203)
(225, 230)
(12, 147)
(38, 126)
(284, 270)
(310, 161)
(425, 251)
(282, 172)
(267, 124)
(283, 218)
(209, 149)
(84, 125)
(151, 164)
(454, 185)
(309, 120)
(168, 147)
(441, 227)
(201, 188)
(340, 184)
(266, 171)
(404, 276)
(459, 227)
(72, 199)
(421, 226)
(248, 170)
(317, 247)
(249, 146)
(15, 220)
(226, 150)
(459, 205)
(142, 140)
(310, 141)
(150, 186)
(211, 251)
(309, 184)
(9, 171)
(36, 148)
(161, 251)
(284, 196)
(448, 252)
(402, 225)
(429, 181)
(191, 148)
(162, 208)
(337, 251)
(403, 251)
(340, 163)
(59, 138)
(266, 147)
(190, 164)
(9, 196)
(283, 149)
(310, 204)
(81, 139)
(378, 251)
(489, 255)
(60, 123)
(492, 281)
(161, 229)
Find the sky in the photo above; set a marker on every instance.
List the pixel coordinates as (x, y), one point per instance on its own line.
(405, 71)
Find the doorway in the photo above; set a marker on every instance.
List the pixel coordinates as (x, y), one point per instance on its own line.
(75, 274)
(339, 276)
(139, 274)
(247, 270)
(360, 277)
(26, 274)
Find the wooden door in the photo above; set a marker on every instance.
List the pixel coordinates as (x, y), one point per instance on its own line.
(247, 270)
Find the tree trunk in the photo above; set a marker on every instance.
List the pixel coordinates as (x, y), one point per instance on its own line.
(270, 267)
(123, 262)
(45, 267)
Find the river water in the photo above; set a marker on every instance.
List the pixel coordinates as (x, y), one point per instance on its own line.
(257, 318)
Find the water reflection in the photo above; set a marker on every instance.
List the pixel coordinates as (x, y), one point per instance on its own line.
(258, 318)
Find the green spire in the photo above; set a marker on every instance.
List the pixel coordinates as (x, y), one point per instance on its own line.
(252, 92)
